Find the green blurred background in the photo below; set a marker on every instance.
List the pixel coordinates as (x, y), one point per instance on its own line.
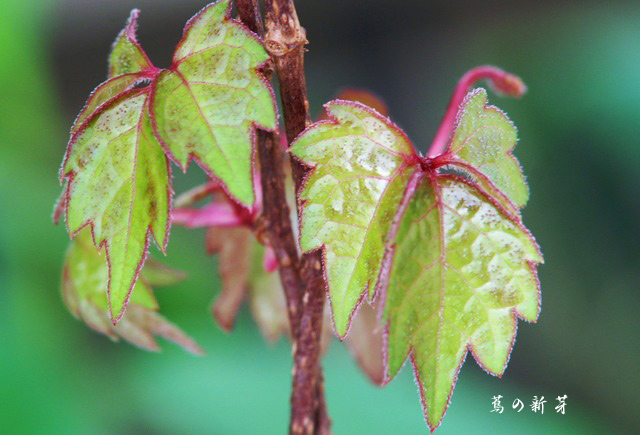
(579, 128)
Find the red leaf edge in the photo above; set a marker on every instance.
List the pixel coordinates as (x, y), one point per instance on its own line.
(383, 286)
(412, 159)
(130, 31)
(103, 243)
(254, 125)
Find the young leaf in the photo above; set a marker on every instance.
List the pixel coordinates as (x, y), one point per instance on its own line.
(460, 271)
(161, 275)
(207, 104)
(481, 145)
(234, 247)
(458, 267)
(246, 267)
(268, 305)
(128, 65)
(243, 275)
(365, 343)
(83, 277)
(361, 165)
(115, 174)
(127, 56)
(101, 95)
(118, 183)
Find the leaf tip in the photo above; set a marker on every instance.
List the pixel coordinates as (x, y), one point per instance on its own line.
(60, 206)
(224, 318)
(117, 307)
(132, 24)
(345, 319)
(339, 323)
(195, 350)
(510, 84)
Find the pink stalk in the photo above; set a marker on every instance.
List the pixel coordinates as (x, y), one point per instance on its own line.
(501, 81)
(196, 194)
(269, 261)
(217, 214)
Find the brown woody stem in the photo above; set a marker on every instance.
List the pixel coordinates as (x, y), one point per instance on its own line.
(285, 40)
(277, 223)
(275, 219)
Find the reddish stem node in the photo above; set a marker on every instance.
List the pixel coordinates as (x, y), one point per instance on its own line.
(499, 80)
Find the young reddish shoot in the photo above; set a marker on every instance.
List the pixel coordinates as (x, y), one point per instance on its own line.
(222, 212)
(501, 81)
(216, 214)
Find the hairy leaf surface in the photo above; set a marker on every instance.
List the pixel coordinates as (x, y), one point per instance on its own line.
(104, 93)
(458, 267)
(207, 104)
(83, 277)
(115, 174)
(482, 143)
(127, 56)
(361, 165)
(460, 273)
(128, 65)
(119, 185)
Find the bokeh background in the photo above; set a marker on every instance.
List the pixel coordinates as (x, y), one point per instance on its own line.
(579, 145)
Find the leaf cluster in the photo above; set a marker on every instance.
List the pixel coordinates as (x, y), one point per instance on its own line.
(116, 169)
(424, 257)
(437, 243)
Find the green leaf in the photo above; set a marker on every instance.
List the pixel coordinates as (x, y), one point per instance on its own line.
(207, 104)
(83, 277)
(101, 95)
(482, 143)
(115, 174)
(361, 165)
(126, 55)
(118, 183)
(459, 267)
(460, 273)
(128, 65)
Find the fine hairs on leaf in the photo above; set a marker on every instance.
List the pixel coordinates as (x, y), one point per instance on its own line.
(458, 266)
(118, 179)
(422, 257)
